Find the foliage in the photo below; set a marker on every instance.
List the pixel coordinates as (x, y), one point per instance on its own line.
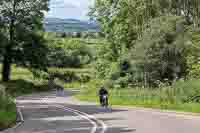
(7, 109)
(20, 20)
(150, 41)
(193, 58)
(6, 101)
(33, 52)
(162, 52)
(67, 52)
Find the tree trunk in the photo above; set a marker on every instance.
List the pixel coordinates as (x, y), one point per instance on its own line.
(8, 50)
(6, 65)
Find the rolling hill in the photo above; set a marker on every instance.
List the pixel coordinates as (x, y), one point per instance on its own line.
(69, 25)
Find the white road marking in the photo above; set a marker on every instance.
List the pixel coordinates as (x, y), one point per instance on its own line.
(20, 114)
(104, 126)
(60, 118)
(93, 120)
(35, 107)
(94, 129)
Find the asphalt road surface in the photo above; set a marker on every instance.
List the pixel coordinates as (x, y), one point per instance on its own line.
(48, 113)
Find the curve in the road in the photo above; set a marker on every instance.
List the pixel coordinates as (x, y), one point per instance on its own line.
(90, 118)
(93, 120)
(94, 129)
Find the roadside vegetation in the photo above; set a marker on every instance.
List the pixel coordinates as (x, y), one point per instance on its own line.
(7, 109)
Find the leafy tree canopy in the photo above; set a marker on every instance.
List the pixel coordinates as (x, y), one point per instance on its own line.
(20, 22)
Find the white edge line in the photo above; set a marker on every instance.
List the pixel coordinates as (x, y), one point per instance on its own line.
(21, 115)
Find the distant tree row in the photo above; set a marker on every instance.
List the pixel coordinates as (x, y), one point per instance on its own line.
(81, 35)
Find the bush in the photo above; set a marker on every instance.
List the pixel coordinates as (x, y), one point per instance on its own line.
(194, 71)
(161, 53)
(85, 78)
(5, 99)
(7, 109)
(122, 82)
(193, 59)
(188, 91)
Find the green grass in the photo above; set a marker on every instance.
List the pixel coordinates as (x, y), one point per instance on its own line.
(7, 119)
(73, 85)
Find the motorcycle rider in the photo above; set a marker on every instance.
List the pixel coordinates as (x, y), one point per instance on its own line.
(103, 92)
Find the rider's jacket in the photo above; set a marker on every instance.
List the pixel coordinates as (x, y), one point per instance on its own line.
(103, 92)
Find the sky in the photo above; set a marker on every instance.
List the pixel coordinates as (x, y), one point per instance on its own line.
(76, 9)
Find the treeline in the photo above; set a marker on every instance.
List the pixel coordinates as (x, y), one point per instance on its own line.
(151, 41)
(84, 35)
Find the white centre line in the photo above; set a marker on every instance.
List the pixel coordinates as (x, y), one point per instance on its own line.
(104, 126)
(93, 120)
(94, 129)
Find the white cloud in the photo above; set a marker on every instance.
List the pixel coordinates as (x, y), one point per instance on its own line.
(77, 9)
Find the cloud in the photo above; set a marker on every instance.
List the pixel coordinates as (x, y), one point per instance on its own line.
(77, 9)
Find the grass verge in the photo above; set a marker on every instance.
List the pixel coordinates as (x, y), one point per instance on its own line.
(164, 98)
(7, 109)
(7, 119)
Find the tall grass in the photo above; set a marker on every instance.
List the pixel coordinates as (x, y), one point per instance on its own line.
(176, 97)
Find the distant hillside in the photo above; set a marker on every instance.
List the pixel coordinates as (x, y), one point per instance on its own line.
(69, 25)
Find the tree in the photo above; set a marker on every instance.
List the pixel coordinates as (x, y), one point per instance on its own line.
(65, 52)
(190, 9)
(161, 53)
(133, 28)
(20, 18)
(123, 21)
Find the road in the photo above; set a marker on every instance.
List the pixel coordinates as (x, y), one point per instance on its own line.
(47, 113)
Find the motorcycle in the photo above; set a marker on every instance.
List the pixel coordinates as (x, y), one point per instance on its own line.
(104, 101)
